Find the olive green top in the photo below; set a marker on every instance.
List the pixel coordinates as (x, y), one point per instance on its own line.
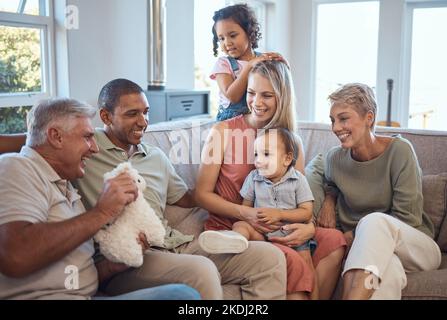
(390, 183)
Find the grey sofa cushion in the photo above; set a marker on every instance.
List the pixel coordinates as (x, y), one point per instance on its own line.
(434, 189)
(427, 284)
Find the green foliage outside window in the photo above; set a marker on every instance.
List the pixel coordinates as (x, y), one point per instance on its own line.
(20, 72)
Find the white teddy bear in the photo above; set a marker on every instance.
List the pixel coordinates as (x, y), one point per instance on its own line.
(118, 241)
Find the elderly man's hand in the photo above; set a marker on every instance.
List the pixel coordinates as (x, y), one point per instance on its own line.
(142, 240)
(117, 193)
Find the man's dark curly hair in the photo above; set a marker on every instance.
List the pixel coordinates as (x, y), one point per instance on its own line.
(244, 16)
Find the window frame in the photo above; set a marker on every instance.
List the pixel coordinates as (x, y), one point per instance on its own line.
(394, 54)
(46, 24)
(404, 107)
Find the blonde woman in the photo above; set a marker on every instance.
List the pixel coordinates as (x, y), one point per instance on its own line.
(227, 159)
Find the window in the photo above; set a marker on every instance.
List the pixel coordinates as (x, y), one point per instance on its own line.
(398, 40)
(203, 42)
(26, 29)
(346, 49)
(428, 82)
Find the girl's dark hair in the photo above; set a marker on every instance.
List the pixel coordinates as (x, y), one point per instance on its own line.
(244, 16)
(289, 139)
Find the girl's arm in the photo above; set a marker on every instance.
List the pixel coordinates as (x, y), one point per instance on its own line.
(234, 89)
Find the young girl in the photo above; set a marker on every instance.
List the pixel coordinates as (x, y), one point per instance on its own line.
(237, 31)
(275, 183)
(225, 165)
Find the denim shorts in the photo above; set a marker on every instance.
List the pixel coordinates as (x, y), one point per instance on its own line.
(233, 110)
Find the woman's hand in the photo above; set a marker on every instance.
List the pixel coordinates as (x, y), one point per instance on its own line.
(250, 215)
(326, 216)
(349, 237)
(269, 215)
(299, 234)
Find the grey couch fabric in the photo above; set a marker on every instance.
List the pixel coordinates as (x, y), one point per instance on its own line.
(183, 140)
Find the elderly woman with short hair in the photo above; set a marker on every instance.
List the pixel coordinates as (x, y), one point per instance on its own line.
(377, 183)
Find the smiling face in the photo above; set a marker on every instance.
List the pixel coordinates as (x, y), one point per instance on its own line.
(233, 40)
(271, 158)
(349, 125)
(125, 126)
(78, 144)
(261, 99)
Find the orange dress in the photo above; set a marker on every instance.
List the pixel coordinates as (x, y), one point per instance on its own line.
(237, 163)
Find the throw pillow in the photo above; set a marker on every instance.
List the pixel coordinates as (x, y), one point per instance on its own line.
(434, 189)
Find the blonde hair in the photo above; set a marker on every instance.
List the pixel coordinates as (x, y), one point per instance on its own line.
(278, 74)
(359, 96)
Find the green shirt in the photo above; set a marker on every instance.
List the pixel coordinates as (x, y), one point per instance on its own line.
(164, 186)
(390, 183)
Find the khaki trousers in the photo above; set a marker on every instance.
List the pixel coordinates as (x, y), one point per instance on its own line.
(388, 248)
(260, 272)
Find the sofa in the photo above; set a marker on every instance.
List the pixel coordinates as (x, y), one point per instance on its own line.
(182, 141)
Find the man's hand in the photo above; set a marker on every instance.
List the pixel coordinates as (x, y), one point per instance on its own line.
(116, 194)
(268, 215)
(142, 240)
(107, 269)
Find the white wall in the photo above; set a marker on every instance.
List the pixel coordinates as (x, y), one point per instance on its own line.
(180, 44)
(110, 43)
(301, 61)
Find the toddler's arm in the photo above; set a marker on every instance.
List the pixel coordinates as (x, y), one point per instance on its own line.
(303, 213)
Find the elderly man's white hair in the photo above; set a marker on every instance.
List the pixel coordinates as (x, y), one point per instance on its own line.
(52, 112)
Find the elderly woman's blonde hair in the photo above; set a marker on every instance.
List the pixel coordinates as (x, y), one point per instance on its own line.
(278, 74)
(359, 96)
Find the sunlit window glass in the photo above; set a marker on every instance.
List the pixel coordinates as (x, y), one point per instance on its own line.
(428, 85)
(346, 49)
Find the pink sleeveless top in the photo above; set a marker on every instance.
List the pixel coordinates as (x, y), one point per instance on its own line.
(237, 163)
